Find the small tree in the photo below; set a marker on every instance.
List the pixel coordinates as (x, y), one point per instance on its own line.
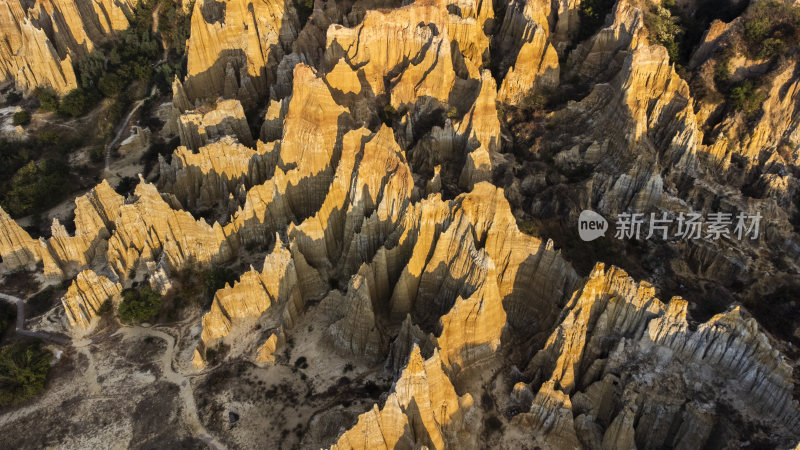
(216, 279)
(747, 98)
(76, 103)
(48, 99)
(139, 305)
(21, 117)
(23, 372)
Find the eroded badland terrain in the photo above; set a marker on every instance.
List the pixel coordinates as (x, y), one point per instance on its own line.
(353, 224)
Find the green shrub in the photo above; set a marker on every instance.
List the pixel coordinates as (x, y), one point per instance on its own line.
(216, 279)
(91, 68)
(76, 103)
(111, 84)
(21, 118)
(746, 97)
(664, 29)
(770, 48)
(722, 71)
(48, 99)
(33, 186)
(139, 305)
(770, 27)
(13, 97)
(23, 372)
(592, 14)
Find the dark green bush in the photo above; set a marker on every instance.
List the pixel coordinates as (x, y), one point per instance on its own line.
(33, 186)
(770, 27)
(722, 71)
(48, 99)
(21, 118)
(592, 14)
(139, 305)
(746, 97)
(76, 103)
(23, 372)
(13, 97)
(111, 84)
(91, 68)
(665, 29)
(216, 279)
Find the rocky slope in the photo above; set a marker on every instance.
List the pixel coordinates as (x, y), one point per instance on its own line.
(42, 40)
(397, 188)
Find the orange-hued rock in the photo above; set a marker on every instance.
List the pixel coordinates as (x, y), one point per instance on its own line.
(215, 172)
(424, 409)
(86, 295)
(253, 294)
(385, 295)
(40, 41)
(536, 69)
(235, 47)
(197, 129)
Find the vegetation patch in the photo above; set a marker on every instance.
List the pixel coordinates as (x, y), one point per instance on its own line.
(8, 314)
(593, 14)
(23, 372)
(216, 279)
(747, 97)
(32, 187)
(139, 305)
(770, 27)
(665, 28)
(21, 118)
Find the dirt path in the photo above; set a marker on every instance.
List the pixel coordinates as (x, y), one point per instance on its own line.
(190, 415)
(123, 126)
(20, 325)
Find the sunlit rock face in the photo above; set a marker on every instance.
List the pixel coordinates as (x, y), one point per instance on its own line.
(42, 40)
(395, 187)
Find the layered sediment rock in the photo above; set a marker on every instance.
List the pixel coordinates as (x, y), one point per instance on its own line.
(613, 322)
(216, 172)
(377, 202)
(424, 409)
(236, 46)
(39, 42)
(198, 128)
(86, 296)
(535, 69)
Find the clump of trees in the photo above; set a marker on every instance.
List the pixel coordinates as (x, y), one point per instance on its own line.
(665, 28)
(21, 118)
(746, 97)
(23, 372)
(139, 305)
(110, 70)
(770, 27)
(31, 188)
(216, 279)
(7, 315)
(592, 14)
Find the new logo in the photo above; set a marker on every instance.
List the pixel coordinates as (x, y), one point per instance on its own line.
(591, 225)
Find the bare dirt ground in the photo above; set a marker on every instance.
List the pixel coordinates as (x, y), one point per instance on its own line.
(134, 387)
